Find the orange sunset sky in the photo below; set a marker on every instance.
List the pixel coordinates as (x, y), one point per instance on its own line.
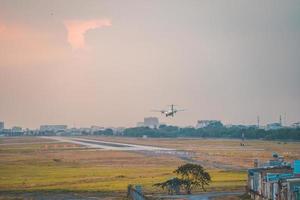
(109, 63)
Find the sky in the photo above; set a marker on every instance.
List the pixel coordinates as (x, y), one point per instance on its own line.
(109, 63)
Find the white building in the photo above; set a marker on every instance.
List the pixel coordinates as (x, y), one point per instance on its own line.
(273, 126)
(97, 128)
(206, 123)
(117, 130)
(296, 125)
(151, 122)
(53, 128)
(16, 129)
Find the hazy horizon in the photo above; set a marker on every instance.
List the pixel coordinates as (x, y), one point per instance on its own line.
(109, 63)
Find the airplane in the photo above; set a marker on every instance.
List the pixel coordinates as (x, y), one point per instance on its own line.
(170, 112)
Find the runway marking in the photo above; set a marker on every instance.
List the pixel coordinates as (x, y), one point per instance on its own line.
(100, 144)
(26, 143)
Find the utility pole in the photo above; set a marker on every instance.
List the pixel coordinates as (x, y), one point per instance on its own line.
(280, 120)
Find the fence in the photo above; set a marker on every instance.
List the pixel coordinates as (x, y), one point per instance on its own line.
(136, 193)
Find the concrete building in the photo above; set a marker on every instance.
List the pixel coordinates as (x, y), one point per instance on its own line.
(273, 126)
(54, 128)
(1, 125)
(74, 131)
(95, 129)
(208, 123)
(117, 130)
(276, 179)
(16, 129)
(240, 126)
(151, 122)
(296, 125)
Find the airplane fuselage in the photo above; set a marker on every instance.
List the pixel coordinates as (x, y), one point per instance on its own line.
(170, 113)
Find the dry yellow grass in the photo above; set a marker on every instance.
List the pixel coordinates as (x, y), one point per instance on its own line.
(222, 152)
(54, 166)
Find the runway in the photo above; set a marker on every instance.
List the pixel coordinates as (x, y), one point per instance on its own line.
(100, 144)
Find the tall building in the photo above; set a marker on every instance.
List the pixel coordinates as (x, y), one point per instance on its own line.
(1, 125)
(151, 122)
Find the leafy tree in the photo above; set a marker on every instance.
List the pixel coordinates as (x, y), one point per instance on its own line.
(108, 131)
(193, 176)
(172, 185)
(216, 131)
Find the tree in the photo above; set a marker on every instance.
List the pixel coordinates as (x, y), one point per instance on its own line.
(172, 185)
(193, 176)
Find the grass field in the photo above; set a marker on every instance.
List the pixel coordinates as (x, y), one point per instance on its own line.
(35, 164)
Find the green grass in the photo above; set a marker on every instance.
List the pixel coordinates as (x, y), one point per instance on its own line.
(31, 167)
(61, 176)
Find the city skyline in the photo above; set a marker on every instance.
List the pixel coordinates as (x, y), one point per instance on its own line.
(110, 63)
(162, 120)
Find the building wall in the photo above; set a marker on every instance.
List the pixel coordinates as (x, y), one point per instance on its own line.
(151, 122)
(53, 127)
(206, 123)
(257, 186)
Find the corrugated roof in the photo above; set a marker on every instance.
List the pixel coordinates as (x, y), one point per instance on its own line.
(296, 166)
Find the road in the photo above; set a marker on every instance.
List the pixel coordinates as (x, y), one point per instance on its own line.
(203, 196)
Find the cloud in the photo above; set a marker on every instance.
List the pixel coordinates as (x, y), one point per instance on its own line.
(22, 45)
(78, 28)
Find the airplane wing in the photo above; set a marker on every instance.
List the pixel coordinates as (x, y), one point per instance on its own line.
(161, 111)
(180, 110)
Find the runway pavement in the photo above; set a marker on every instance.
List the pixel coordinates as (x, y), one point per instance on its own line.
(100, 144)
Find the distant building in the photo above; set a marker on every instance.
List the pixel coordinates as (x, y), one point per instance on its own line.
(151, 122)
(97, 128)
(273, 126)
(16, 129)
(1, 125)
(208, 123)
(240, 126)
(275, 179)
(117, 130)
(74, 131)
(54, 128)
(296, 125)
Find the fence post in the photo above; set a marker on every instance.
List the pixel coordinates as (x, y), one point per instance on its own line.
(135, 192)
(129, 188)
(139, 193)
